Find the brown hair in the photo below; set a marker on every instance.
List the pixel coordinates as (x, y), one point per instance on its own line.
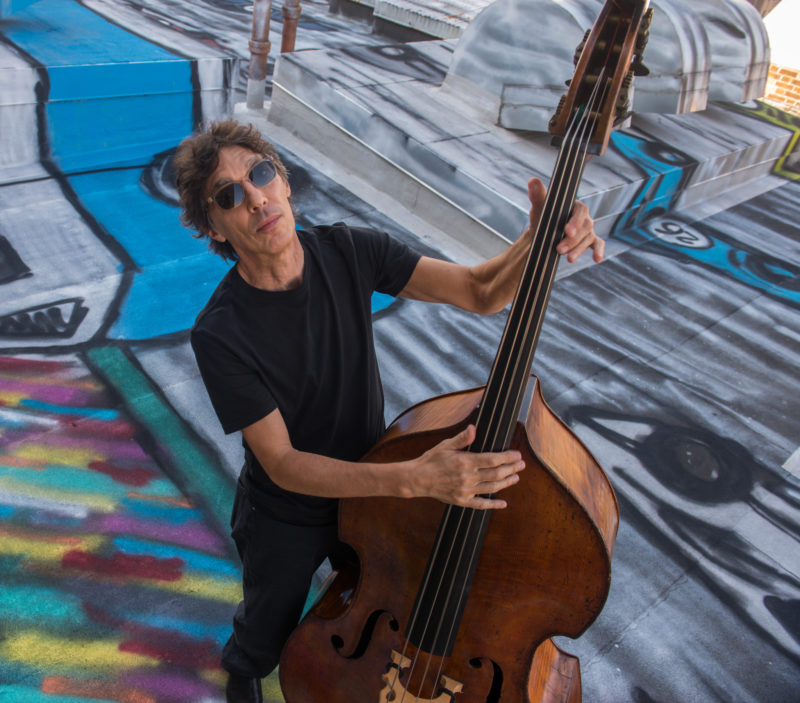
(196, 160)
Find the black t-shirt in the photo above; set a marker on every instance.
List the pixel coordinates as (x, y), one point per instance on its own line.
(308, 351)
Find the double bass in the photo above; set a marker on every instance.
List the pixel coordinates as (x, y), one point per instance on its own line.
(451, 604)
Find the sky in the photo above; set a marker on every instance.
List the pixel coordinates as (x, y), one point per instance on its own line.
(783, 27)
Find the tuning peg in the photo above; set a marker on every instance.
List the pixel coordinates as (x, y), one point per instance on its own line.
(638, 68)
(644, 32)
(577, 55)
(623, 104)
(554, 119)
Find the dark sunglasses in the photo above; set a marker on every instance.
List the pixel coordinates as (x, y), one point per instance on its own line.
(232, 194)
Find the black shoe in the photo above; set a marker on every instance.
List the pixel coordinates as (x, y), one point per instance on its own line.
(243, 690)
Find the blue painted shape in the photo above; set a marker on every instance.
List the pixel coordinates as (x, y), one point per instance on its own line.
(115, 132)
(65, 33)
(114, 98)
(702, 244)
(145, 78)
(668, 169)
(9, 7)
(177, 274)
(380, 301)
(155, 512)
(51, 409)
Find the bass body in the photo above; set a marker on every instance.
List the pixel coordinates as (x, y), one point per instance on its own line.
(544, 570)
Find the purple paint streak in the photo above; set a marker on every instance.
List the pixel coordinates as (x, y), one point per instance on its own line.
(191, 534)
(57, 395)
(172, 687)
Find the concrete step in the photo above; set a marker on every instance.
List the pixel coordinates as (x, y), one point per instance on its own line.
(443, 19)
(436, 149)
(96, 95)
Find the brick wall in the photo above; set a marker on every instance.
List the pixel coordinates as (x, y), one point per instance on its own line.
(783, 88)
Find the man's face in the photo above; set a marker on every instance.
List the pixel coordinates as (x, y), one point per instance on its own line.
(262, 224)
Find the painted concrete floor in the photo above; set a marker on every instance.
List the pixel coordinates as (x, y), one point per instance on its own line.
(674, 361)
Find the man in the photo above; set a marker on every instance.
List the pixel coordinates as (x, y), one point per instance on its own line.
(286, 352)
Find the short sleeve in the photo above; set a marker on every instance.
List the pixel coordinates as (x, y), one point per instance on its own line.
(392, 261)
(237, 394)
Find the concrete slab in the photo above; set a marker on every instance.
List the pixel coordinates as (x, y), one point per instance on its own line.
(391, 101)
(440, 18)
(674, 361)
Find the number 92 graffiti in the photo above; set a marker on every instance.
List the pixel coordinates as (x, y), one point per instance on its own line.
(678, 234)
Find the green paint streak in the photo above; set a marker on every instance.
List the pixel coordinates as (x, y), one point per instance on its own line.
(198, 473)
(23, 694)
(23, 606)
(74, 480)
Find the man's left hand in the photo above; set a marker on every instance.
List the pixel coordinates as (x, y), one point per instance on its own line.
(579, 234)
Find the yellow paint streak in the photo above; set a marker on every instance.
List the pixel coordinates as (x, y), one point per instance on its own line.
(58, 455)
(38, 651)
(223, 590)
(11, 399)
(271, 688)
(216, 677)
(45, 547)
(94, 690)
(94, 501)
(53, 379)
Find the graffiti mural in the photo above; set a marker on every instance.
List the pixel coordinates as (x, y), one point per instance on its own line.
(118, 579)
(117, 576)
(116, 585)
(651, 221)
(788, 165)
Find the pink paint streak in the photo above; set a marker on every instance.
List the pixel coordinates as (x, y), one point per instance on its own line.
(113, 429)
(15, 365)
(136, 476)
(125, 565)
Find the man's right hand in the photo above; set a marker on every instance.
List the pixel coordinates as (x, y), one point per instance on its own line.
(453, 475)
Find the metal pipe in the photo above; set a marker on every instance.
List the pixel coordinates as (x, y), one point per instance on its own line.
(259, 51)
(291, 13)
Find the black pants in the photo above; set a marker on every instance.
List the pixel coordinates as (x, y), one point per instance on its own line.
(278, 561)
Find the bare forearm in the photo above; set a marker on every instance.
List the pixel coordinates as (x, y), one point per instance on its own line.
(316, 475)
(495, 280)
(444, 472)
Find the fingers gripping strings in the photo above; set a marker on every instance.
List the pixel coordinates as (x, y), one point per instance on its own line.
(442, 596)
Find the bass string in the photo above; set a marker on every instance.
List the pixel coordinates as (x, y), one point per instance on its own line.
(537, 293)
(449, 510)
(514, 359)
(565, 182)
